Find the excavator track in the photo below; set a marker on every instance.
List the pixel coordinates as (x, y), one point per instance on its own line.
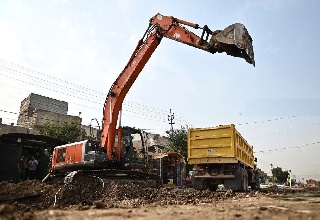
(123, 175)
(128, 176)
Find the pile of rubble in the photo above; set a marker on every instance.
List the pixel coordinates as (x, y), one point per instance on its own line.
(124, 194)
(95, 193)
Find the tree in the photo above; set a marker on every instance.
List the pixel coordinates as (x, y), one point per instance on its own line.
(69, 132)
(178, 141)
(262, 176)
(280, 175)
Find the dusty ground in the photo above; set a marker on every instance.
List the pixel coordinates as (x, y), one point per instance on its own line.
(92, 199)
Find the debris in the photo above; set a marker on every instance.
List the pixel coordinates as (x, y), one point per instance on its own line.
(89, 193)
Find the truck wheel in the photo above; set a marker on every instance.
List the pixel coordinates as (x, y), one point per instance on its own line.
(253, 186)
(212, 186)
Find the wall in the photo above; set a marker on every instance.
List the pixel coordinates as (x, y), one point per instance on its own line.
(37, 119)
(36, 108)
(36, 101)
(6, 129)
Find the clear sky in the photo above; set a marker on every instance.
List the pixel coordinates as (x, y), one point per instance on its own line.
(74, 50)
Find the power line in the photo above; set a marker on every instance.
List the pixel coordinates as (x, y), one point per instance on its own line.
(286, 148)
(269, 120)
(50, 120)
(143, 107)
(46, 75)
(83, 104)
(140, 113)
(284, 131)
(9, 112)
(101, 95)
(305, 165)
(81, 87)
(49, 83)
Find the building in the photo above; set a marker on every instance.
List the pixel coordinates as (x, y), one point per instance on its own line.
(35, 101)
(156, 139)
(7, 129)
(90, 132)
(312, 183)
(37, 110)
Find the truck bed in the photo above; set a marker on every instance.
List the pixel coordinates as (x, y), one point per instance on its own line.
(221, 144)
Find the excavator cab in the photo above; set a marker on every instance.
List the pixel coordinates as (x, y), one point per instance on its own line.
(133, 149)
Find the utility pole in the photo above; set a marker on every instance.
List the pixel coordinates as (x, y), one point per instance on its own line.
(290, 178)
(170, 119)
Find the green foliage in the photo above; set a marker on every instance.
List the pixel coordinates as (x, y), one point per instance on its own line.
(178, 141)
(280, 175)
(261, 174)
(69, 132)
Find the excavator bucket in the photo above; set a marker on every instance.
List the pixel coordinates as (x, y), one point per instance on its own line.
(235, 41)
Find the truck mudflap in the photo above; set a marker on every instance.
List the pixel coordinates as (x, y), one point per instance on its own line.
(235, 41)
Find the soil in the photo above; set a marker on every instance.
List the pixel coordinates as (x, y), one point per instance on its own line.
(92, 198)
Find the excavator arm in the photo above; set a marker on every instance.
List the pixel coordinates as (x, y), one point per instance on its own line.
(234, 40)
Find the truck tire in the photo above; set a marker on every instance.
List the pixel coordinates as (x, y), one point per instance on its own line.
(211, 185)
(253, 186)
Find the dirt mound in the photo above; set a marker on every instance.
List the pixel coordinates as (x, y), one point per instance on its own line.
(95, 193)
(89, 192)
(116, 194)
(27, 195)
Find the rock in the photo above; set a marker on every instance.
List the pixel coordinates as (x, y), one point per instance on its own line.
(99, 204)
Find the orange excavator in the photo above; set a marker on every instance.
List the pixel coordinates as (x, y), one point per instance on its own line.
(115, 153)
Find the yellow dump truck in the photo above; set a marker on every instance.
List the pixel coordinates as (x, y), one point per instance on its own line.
(220, 155)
